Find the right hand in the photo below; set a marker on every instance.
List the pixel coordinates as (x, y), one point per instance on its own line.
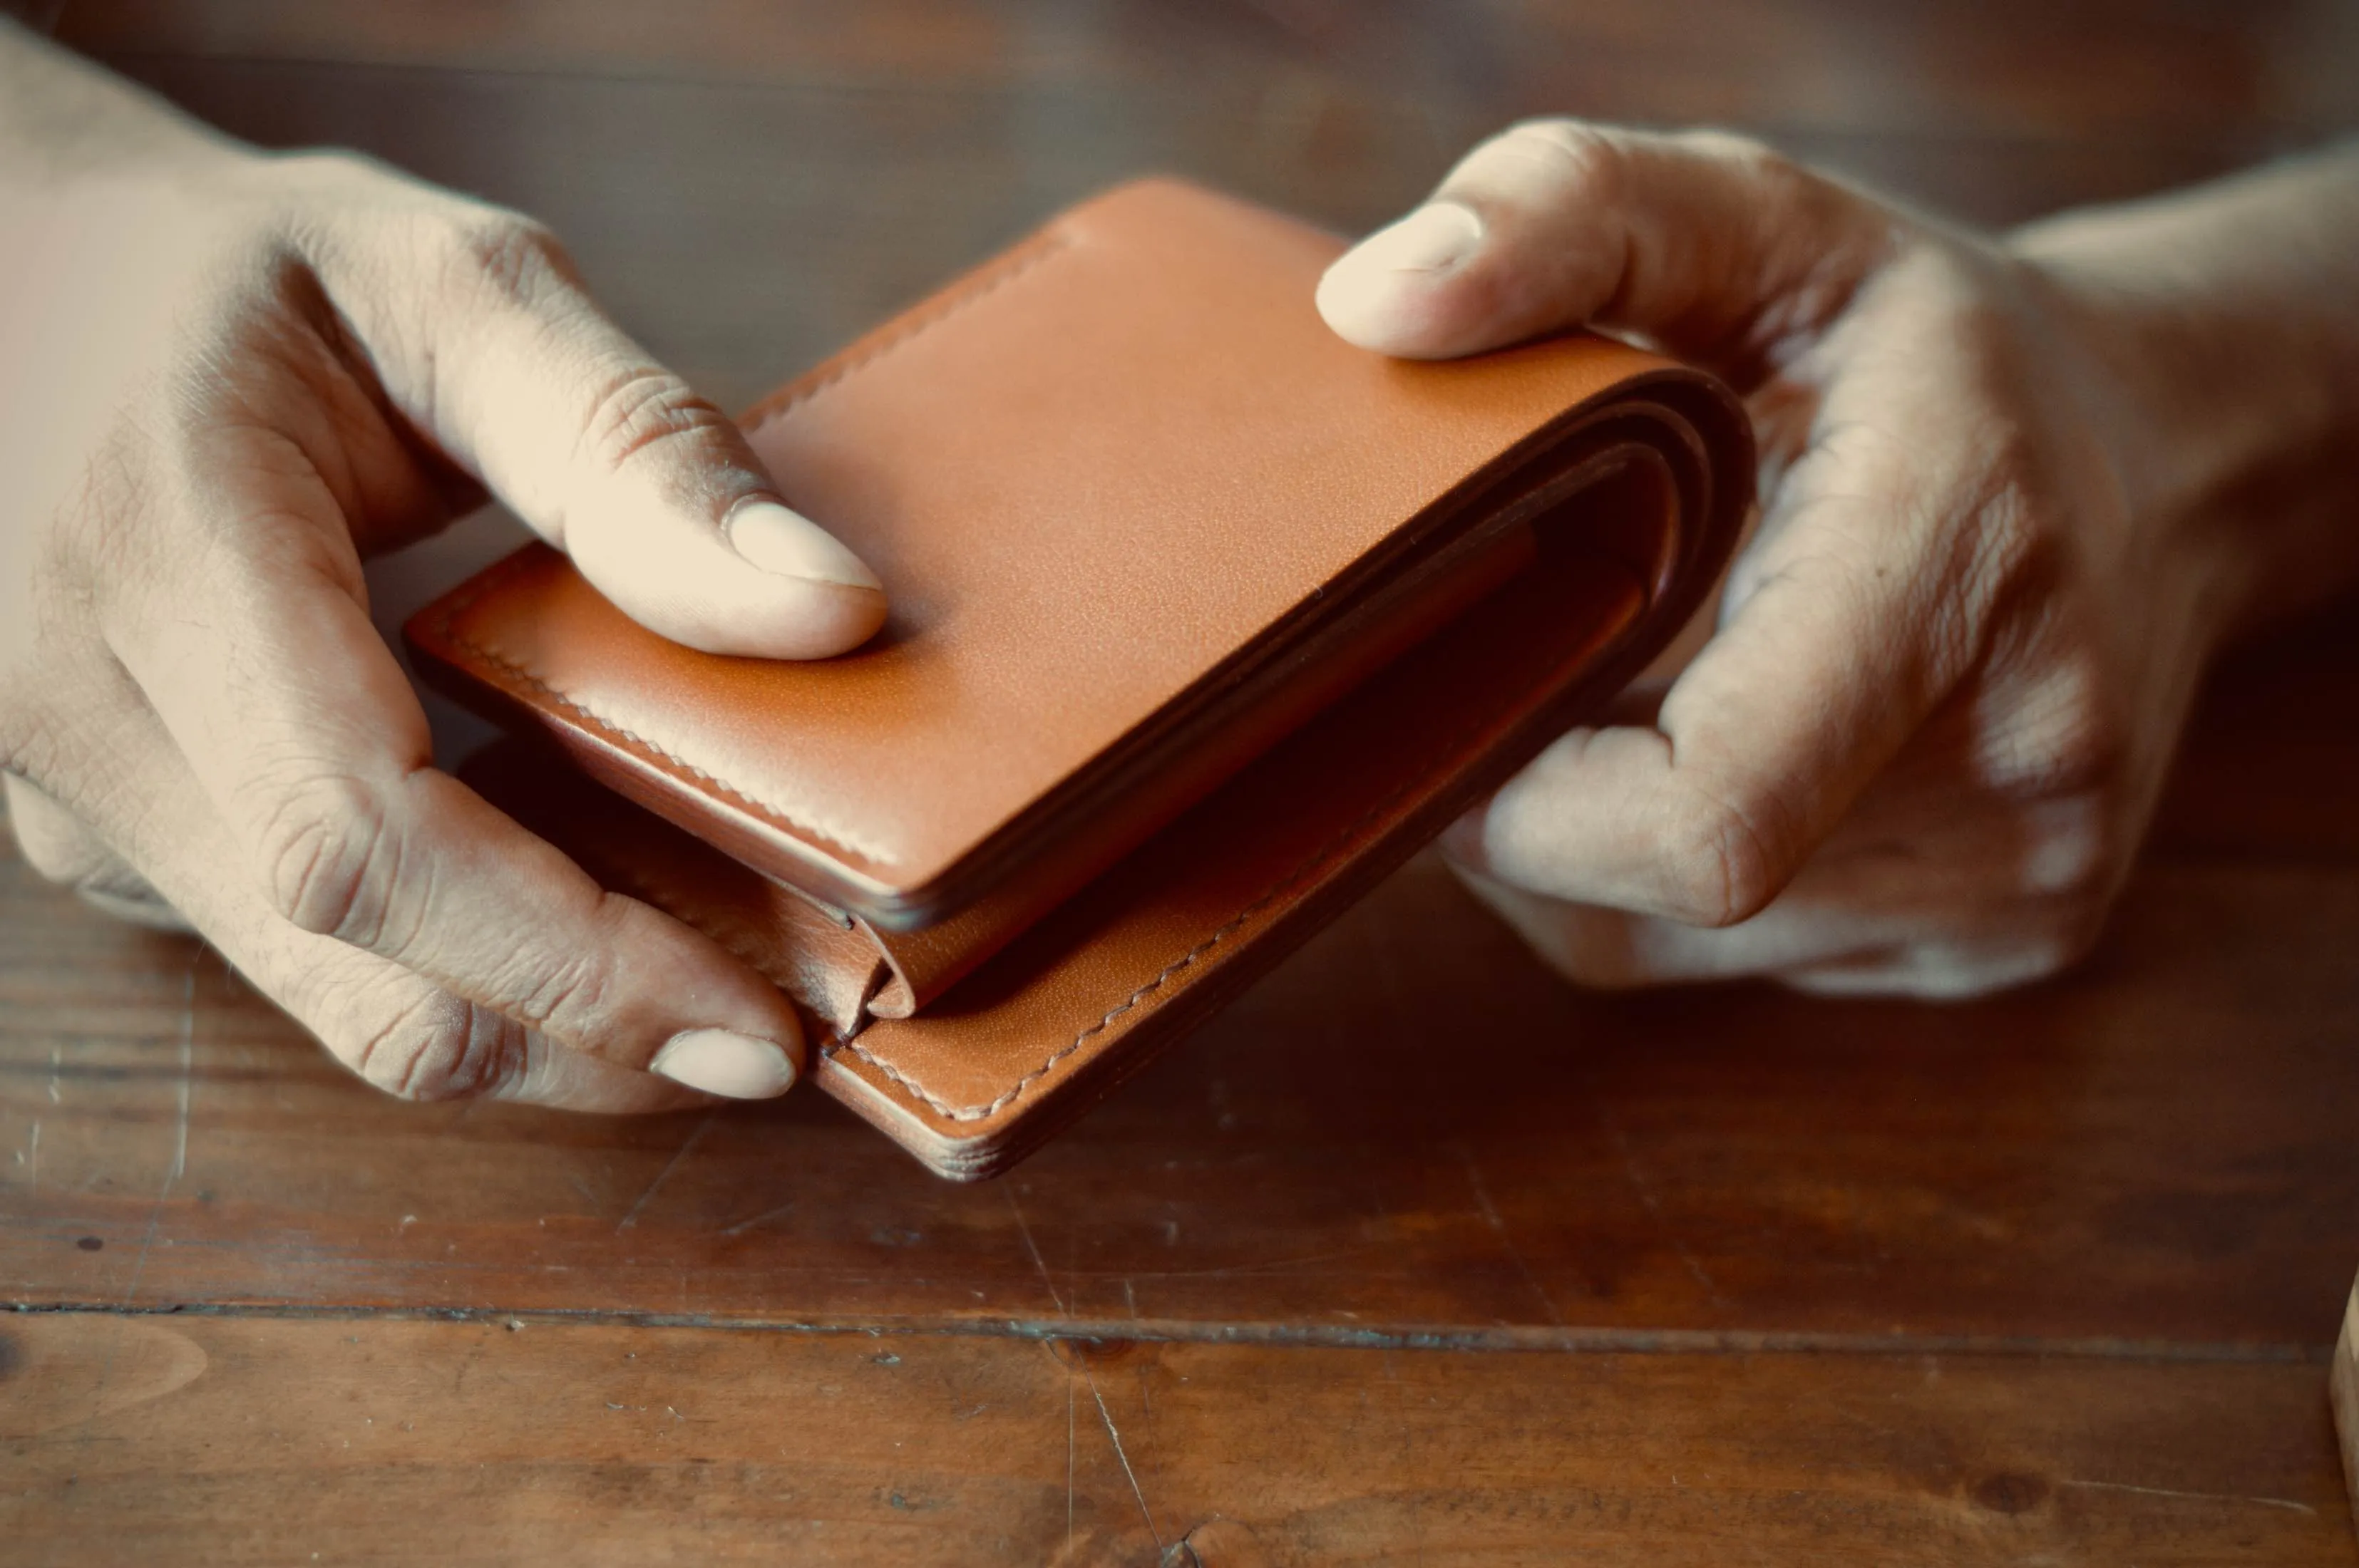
(231, 377)
(1921, 743)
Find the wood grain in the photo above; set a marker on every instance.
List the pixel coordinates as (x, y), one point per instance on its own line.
(370, 1439)
(2155, 1149)
(1732, 1275)
(2269, 767)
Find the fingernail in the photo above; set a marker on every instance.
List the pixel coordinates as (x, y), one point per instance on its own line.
(1361, 294)
(1434, 238)
(722, 1061)
(786, 542)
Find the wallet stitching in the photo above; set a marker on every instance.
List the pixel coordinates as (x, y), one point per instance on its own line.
(1292, 880)
(838, 839)
(1010, 268)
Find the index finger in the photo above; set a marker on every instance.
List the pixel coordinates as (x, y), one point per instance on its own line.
(302, 732)
(477, 326)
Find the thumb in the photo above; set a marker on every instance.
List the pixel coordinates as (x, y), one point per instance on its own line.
(1711, 244)
(482, 333)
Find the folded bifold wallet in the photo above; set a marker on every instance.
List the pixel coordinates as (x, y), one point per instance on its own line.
(1203, 620)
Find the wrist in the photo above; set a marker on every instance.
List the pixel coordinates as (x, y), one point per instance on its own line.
(2213, 343)
(2173, 428)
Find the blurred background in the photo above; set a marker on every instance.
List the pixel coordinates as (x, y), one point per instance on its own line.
(750, 182)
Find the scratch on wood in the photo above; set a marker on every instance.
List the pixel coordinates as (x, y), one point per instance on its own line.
(743, 1225)
(630, 1216)
(1069, 1462)
(57, 1062)
(1115, 1438)
(179, 1164)
(171, 1174)
(1146, 1399)
(2192, 1496)
(1033, 1248)
(1646, 1191)
(1499, 1229)
(32, 1159)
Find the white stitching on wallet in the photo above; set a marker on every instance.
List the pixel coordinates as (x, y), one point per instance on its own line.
(840, 837)
(1300, 874)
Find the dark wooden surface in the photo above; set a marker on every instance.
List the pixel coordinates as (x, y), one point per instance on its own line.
(1732, 1277)
(2344, 1384)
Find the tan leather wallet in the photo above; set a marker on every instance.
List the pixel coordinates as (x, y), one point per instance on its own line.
(1203, 621)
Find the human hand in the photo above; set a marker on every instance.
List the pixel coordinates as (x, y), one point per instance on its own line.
(1924, 738)
(230, 378)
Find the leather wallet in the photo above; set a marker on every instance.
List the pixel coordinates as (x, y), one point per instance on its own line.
(1203, 620)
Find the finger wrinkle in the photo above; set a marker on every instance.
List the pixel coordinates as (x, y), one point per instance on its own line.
(642, 407)
(1741, 875)
(325, 846)
(578, 989)
(448, 1048)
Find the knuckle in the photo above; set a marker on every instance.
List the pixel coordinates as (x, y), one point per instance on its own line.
(578, 989)
(1717, 867)
(331, 860)
(1774, 181)
(2089, 740)
(644, 407)
(2077, 850)
(1582, 159)
(2072, 865)
(1988, 561)
(2065, 736)
(310, 169)
(1748, 153)
(490, 249)
(2082, 748)
(1947, 291)
(2009, 535)
(438, 1047)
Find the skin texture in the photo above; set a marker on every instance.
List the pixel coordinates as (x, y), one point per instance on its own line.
(231, 377)
(2015, 494)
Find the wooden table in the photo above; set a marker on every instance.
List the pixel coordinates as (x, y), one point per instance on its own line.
(1734, 1278)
